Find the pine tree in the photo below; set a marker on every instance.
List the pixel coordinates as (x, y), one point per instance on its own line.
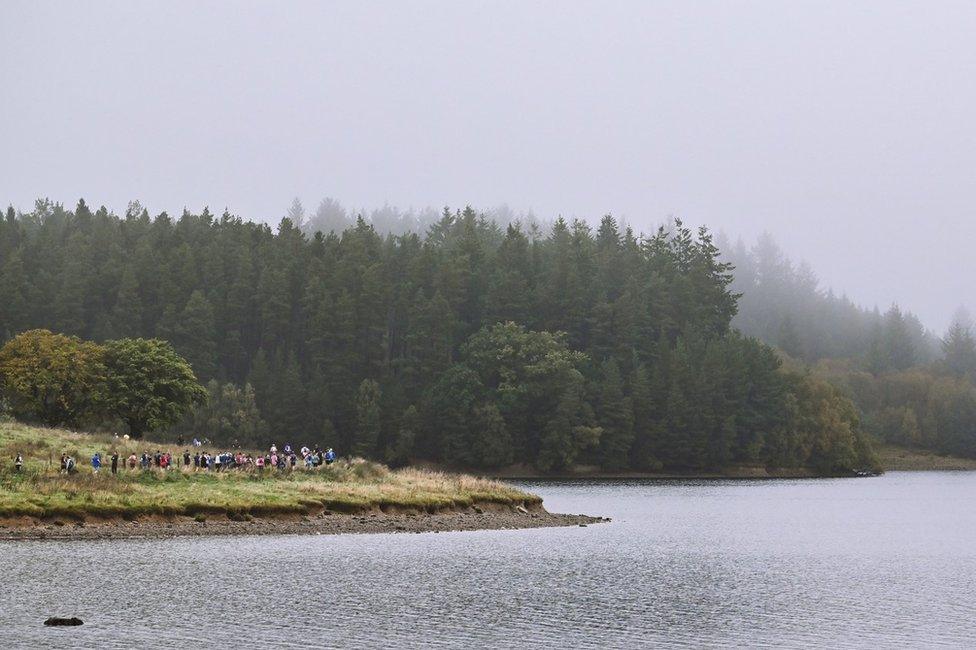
(287, 416)
(448, 414)
(296, 214)
(127, 311)
(899, 349)
(616, 417)
(492, 445)
(788, 339)
(194, 335)
(959, 348)
(14, 314)
(69, 301)
(510, 294)
(645, 429)
(367, 418)
(401, 448)
(568, 432)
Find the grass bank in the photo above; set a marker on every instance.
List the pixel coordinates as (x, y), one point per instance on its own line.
(41, 492)
(900, 459)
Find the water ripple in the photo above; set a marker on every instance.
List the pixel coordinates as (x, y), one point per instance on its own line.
(885, 562)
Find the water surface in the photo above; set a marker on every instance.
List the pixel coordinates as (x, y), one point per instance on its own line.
(879, 562)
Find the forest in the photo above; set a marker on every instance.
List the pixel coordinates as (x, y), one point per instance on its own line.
(473, 344)
(911, 387)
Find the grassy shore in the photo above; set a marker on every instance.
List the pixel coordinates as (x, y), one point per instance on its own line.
(41, 492)
(903, 459)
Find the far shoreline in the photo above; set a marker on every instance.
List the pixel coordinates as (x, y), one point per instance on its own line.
(663, 476)
(904, 459)
(893, 458)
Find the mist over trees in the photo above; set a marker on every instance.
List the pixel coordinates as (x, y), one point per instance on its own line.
(330, 215)
(910, 387)
(474, 343)
(783, 304)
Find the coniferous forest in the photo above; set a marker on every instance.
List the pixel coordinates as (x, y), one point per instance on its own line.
(472, 344)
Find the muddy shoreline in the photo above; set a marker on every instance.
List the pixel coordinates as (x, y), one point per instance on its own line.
(477, 517)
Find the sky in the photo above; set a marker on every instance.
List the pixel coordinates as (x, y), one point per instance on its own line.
(846, 130)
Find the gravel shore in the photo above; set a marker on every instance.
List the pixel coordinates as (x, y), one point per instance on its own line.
(483, 517)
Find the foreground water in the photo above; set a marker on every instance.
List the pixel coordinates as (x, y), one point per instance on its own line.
(886, 561)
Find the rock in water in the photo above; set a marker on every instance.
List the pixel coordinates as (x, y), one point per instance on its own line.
(55, 620)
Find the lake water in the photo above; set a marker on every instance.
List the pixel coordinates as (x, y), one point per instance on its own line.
(876, 562)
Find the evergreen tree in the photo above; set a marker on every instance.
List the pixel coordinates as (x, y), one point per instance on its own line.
(645, 423)
(959, 348)
(789, 339)
(367, 418)
(194, 335)
(448, 414)
(569, 431)
(491, 446)
(127, 311)
(616, 417)
(296, 214)
(14, 316)
(898, 345)
(401, 448)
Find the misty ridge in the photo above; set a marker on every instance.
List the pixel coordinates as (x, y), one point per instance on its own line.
(782, 302)
(778, 293)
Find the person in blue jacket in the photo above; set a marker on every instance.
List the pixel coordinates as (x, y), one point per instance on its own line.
(330, 456)
(96, 463)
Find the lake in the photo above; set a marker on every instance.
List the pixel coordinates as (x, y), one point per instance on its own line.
(886, 561)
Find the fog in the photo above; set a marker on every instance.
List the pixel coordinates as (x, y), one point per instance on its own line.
(845, 130)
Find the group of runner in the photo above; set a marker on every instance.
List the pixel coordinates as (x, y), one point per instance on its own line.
(273, 459)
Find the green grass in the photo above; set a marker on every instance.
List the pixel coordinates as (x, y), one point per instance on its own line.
(40, 490)
(896, 458)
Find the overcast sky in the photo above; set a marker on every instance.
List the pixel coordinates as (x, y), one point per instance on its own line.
(846, 129)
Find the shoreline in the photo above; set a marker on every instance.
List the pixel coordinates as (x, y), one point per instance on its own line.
(663, 476)
(485, 516)
(520, 472)
(905, 459)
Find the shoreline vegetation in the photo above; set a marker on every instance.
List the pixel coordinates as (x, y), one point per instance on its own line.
(350, 496)
(905, 459)
(891, 458)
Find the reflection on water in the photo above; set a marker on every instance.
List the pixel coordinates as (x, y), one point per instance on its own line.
(885, 561)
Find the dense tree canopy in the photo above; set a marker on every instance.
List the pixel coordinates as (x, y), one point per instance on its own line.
(52, 378)
(63, 381)
(472, 344)
(148, 385)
